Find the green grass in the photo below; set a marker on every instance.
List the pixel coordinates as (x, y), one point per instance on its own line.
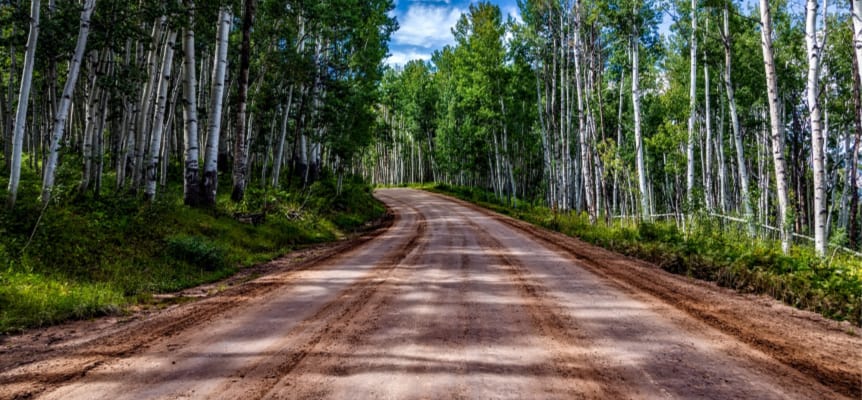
(95, 256)
(710, 251)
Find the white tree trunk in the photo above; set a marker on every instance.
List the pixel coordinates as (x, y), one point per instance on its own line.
(159, 117)
(191, 145)
(23, 102)
(90, 110)
(144, 115)
(692, 105)
(707, 170)
(586, 166)
(62, 112)
(279, 155)
(639, 142)
(777, 126)
(813, 48)
(734, 122)
(857, 33)
(210, 178)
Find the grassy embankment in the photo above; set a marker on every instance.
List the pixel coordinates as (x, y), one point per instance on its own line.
(710, 251)
(95, 256)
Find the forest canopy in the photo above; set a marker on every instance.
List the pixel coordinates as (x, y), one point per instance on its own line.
(591, 106)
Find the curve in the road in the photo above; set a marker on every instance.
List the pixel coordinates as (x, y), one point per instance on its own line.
(452, 301)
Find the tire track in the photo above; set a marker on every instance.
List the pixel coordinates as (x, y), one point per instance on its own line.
(557, 327)
(341, 319)
(31, 376)
(758, 328)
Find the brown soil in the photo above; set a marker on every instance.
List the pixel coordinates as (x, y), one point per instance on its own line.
(826, 350)
(449, 301)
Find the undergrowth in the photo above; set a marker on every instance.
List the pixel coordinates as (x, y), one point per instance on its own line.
(92, 256)
(710, 251)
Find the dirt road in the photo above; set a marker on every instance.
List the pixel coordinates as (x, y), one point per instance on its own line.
(449, 302)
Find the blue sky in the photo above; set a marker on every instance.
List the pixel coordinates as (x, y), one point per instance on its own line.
(426, 25)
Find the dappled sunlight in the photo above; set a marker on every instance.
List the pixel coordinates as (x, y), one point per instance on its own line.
(449, 302)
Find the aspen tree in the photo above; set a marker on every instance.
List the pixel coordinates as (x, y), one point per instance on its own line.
(857, 34)
(23, 103)
(210, 177)
(776, 125)
(814, 51)
(240, 156)
(159, 116)
(742, 170)
(62, 113)
(191, 144)
(639, 143)
(692, 104)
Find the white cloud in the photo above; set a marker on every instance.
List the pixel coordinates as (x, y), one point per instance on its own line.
(402, 57)
(515, 13)
(426, 26)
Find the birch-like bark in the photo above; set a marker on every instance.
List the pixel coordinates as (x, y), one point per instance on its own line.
(279, 155)
(90, 111)
(639, 142)
(707, 170)
(852, 226)
(144, 114)
(692, 104)
(210, 177)
(722, 161)
(191, 144)
(98, 137)
(130, 117)
(742, 169)
(617, 201)
(777, 127)
(813, 48)
(546, 152)
(23, 102)
(857, 33)
(582, 125)
(62, 113)
(159, 117)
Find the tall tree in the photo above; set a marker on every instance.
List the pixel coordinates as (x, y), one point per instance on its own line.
(62, 112)
(191, 145)
(776, 124)
(692, 105)
(23, 103)
(741, 167)
(814, 48)
(159, 116)
(210, 178)
(240, 156)
(639, 142)
(857, 32)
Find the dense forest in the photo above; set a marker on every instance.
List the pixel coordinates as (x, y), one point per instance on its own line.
(339, 199)
(747, 116)
(723, 141)
(220, 87)
(151, 145)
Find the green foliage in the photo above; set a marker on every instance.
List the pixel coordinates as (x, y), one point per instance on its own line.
(196, 250)
(91, 256)
(714, 253)
(31, 299)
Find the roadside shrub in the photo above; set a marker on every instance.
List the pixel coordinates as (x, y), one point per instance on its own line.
(709, 251)
(94, 254)
(198, 251)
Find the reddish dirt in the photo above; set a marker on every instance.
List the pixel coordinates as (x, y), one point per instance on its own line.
(449, 301)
